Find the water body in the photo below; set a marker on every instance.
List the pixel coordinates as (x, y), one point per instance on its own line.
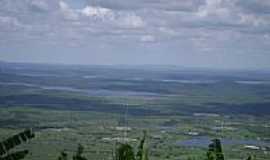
(204, 141)
(253, 82)
(90, 92)
(184, 81)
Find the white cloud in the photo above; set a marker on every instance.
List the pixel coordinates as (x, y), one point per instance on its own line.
(9, 20)
(168, 31)
(39, 5)
(98, 12)
(68, 13)
(131, 20)
(213, 8)
(178, 24)
(228, 12)
(124, 19)
(148, 38)
(250, 19)
(10, 23)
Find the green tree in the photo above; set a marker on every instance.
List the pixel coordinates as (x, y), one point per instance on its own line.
(125, 152)
(142, 153)
(250, 157)
(215, 150)
(63, 156)
(78, 155)
(191, 158)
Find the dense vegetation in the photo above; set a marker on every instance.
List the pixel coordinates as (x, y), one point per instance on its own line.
(10, 143)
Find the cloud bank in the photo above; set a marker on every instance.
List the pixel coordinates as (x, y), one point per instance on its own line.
(210, 33)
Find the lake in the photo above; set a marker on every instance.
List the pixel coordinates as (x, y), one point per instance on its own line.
(204, 141)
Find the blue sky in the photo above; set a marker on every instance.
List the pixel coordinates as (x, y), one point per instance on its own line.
(228, 34)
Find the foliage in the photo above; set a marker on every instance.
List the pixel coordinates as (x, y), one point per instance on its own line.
(250, 157)
(191, 158)
(15, 156)
(78, 155)
(63, 156)
(125, 151)
(12, 142)
(215, 150)
(142, 153)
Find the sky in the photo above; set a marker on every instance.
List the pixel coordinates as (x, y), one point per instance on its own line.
(227, 34)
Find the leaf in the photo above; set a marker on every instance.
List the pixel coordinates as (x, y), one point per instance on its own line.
(15, 156)
(15, 140)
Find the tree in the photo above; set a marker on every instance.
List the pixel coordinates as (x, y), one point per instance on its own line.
(78, 155)
(142, 153)
(215, 150)
(63, 156)
(191, 158)
(125, 152)
(12, 142)
(250, 157)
